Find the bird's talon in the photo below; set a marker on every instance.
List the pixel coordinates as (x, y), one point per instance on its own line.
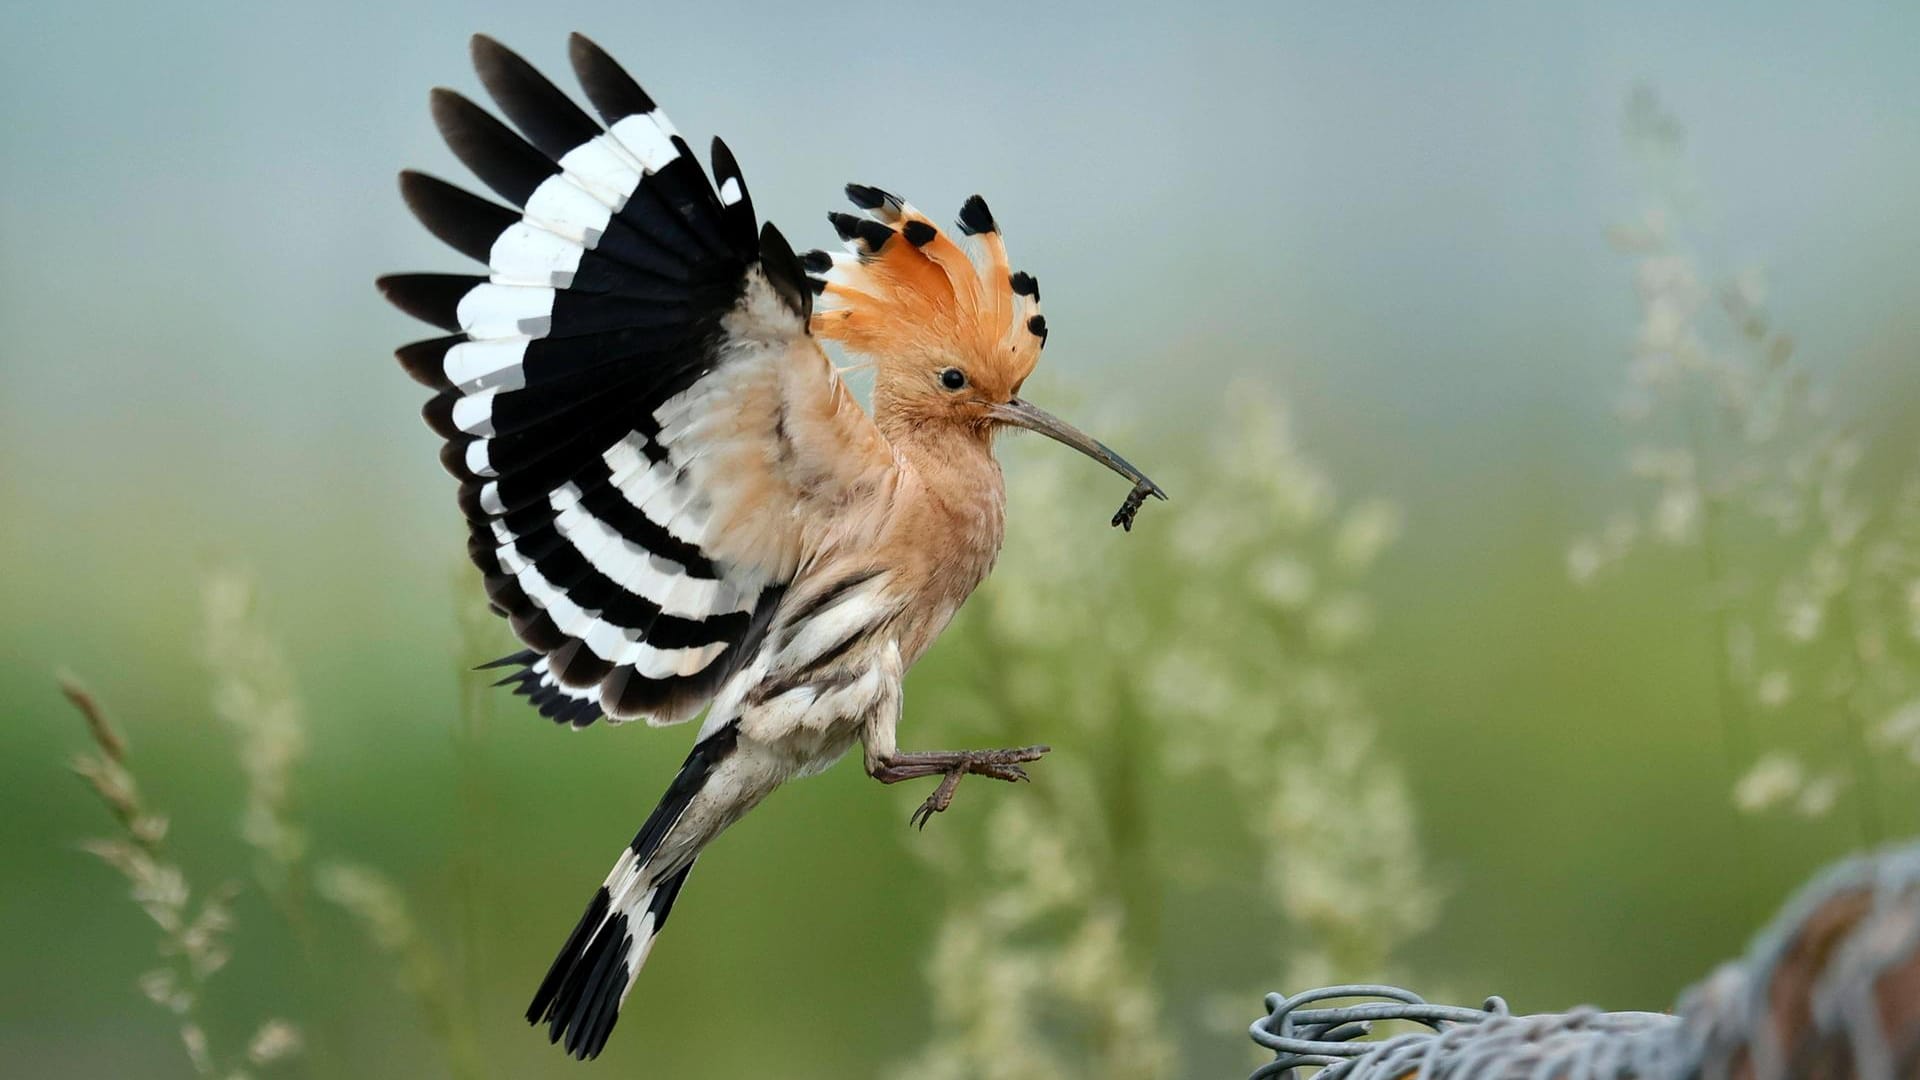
(953, 767)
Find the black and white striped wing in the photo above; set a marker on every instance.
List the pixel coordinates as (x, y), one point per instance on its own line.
(630, 398)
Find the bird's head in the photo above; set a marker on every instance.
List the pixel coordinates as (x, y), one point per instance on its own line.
(951, 332)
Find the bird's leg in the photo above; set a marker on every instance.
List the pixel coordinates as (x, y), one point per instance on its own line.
(950, 766)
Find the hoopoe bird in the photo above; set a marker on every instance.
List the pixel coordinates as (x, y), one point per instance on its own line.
(672, 496)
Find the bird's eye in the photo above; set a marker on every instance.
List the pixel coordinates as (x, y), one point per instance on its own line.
(953, 379)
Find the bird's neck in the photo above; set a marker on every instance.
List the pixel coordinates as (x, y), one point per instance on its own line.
(952, 518)
(954, 461)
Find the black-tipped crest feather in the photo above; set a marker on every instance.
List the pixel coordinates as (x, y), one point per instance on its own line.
(975, 218)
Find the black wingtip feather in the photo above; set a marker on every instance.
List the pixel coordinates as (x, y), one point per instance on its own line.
(463, 221)
(453, 452)
(785, 273)
(613, 92)
(740, 222)
(522, 658)
(425, 361)
(501, 159)
(431, 298)
(438, 413)
(543, 113)
(577, 667)
(537, 629)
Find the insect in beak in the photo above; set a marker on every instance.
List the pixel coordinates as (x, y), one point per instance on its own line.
(1034, 418)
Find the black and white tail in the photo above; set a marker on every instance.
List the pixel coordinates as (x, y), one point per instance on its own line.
(580, 998)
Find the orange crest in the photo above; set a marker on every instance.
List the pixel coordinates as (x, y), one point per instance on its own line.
(911, 299)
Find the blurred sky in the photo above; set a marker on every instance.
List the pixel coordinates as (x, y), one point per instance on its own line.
(1390, 216)
(1394, 211)
(1394, 208)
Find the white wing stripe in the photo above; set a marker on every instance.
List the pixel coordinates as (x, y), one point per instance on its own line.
(564, 207)
(478, 365)
(611, 643)
(654, 490)
(604, 169)
(624, 457)
(660, 121)
(649, 138)
(473, 414)
(493, 311)
(477, 462)
(526, 255)
(636, 569)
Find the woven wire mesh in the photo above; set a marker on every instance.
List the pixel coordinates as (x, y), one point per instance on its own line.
(1830, 989)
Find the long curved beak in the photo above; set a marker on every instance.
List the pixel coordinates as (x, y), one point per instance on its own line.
(1034, 418)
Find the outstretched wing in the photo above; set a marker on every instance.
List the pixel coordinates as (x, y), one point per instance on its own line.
(640, 422)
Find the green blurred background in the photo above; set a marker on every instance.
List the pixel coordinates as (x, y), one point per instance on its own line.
(1390, 218)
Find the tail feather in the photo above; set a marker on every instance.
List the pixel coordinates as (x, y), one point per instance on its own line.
(580, 998)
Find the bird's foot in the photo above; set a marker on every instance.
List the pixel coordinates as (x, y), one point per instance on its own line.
(951, 766)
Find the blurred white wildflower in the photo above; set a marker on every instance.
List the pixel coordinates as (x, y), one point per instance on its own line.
(1236, 670)
(1801, 619)
(276, 1041)
(374, 900)
(1019, 993)
(1365, 532)
(380, 907)
(254, 696)
(1676, 515)
(193, 936)
(1901, 729)
(1774, 689)
(1341, 621)
(1284, 581)
(1303, 738)
(1739, 459)
(1589, 557)
(1772, 780)
(1584, 561)
(1819, 794)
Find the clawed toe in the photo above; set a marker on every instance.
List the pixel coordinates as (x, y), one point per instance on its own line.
(953, 765)
(1009, 757)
